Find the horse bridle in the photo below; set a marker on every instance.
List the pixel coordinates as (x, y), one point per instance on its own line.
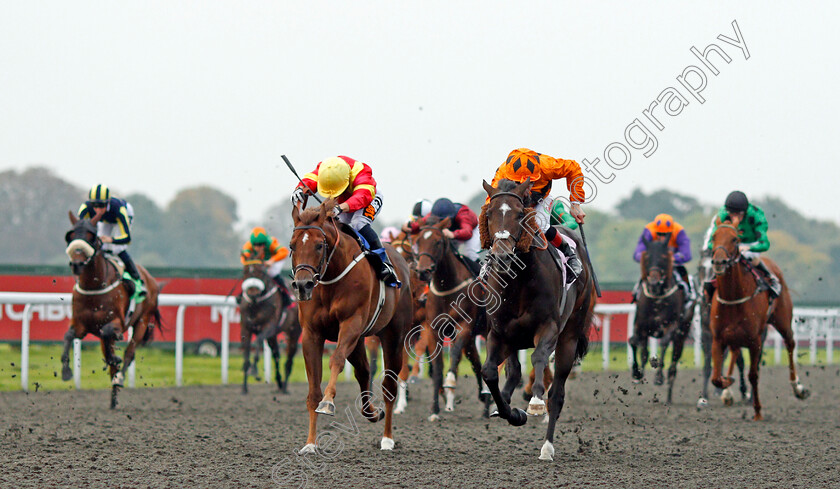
(440, 247)
(324, 261)
(521, 201)
(730, 259)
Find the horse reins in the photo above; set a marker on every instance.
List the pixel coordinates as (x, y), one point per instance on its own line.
(442, 250)
(324, 261)
(730, 260)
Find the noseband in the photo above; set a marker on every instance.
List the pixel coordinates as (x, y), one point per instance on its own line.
(730, 259)
(521, 201)
(440, 250)
(324, 261)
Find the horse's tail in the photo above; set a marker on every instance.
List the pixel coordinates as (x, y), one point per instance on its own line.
(156, 320)
(583, 339)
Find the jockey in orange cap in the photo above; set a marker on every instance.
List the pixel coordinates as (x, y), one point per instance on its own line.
(523, 163)
(664, 226)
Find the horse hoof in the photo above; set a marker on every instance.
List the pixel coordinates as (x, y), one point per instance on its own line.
(66, 373)
(450, 400)
(654, 361)
(517, 417)
(658, 379)
(547, 451)
(702, 403)
(449, 383)
(387, 443)
(494, 414)
(545, 419)
(801, 392)
(758, 417)
(638, 381)
(118, 379)
(308, 448)
(536, 407)
(433, 418)
(326, 407)
(727, 398)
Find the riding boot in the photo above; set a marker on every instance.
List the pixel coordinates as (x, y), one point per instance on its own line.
(774, 285)
(688, 294)
(386, 272)
(560, 243)
(132, 270)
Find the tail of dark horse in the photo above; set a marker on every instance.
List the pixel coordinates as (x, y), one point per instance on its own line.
(156, 320)
(588, 289)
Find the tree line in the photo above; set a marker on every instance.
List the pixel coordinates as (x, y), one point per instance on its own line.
(200, 227)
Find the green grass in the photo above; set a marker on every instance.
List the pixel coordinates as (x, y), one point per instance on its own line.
(156, 366)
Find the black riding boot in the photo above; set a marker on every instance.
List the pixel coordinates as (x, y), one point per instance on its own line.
(773, 281)
(131, 268)
(573, 260)
(387, 272)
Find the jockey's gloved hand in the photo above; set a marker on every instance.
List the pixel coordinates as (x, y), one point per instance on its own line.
(743, 248)
(336, 211)
(299, 196)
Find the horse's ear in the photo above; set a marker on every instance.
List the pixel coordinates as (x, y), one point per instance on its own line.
(444, 224)
(524, 187)
(735, 220)
(95, 219)
(643, 263)
(488, 188)
(718, 222)
(73, 218)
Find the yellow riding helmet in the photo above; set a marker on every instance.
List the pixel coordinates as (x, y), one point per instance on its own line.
(333, 177)
(99, 194)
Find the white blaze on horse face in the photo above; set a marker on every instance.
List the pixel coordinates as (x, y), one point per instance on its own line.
(502, 234)
(305, 237)
(427, 234)
(504, 208)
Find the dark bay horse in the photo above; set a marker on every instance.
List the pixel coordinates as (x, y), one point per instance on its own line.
(660, 313)
(100, 302)
(263, 316)
(453, 310)
(342, 300)
(704, 270)
(741, 310)
(535, 307)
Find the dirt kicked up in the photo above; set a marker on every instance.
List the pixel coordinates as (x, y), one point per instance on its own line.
(612, 433)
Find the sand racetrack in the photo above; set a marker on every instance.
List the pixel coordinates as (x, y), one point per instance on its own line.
(215, 437)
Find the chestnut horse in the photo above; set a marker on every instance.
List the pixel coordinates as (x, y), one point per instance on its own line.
(660, 313)
(263, 316)
(101, 300)
(453, 309)
(741, 309)
(342, 300)
(704, 270)
(536, 308)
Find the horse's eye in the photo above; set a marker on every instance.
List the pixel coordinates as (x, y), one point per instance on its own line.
(319, 246)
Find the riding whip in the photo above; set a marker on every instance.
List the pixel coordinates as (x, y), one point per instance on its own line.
(289, 164)
(588, 261)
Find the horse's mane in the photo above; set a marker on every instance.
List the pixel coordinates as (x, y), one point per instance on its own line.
(309, 216)
(526, 238)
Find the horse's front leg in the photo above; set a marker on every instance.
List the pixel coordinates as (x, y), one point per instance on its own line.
(462, 337)
(513, 375)
(275, 355)
(349, 334)
(545, 343)
(108, 337)
(497, 351)
(246, 357)
(676, 353)
(717, 365)
(638, 342)
(564, 361)
(313, 351)
(69, 336)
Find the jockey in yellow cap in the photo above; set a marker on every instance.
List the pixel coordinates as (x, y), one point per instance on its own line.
(351, 183)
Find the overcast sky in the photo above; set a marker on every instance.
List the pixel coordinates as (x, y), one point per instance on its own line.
(153, 96)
